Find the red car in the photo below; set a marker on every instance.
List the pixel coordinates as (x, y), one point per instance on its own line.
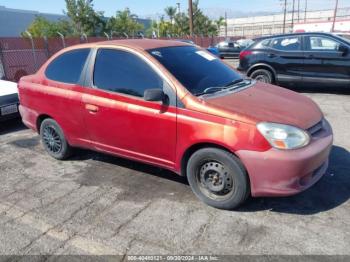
(176, 106)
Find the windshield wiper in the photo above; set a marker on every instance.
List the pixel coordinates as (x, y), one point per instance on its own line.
(231, 86)
(234, 82)
(211, 90)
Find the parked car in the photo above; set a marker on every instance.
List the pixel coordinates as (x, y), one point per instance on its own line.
(244, 43)
(229, 49)
(8, 100)
(343, 35)
(302, 59)
(212, 49)
(178, 107)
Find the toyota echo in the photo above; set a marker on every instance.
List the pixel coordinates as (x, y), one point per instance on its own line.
(176, 106)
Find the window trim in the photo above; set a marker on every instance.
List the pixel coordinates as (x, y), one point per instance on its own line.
(89, 73)
(82, 73)
(308, 44)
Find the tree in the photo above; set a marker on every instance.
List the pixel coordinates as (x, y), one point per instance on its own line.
(124, 23)
(42, 27)
(171, 12)
(201, 23)
(182, 24)
(179, 23)
(84, 18)
(220, 22)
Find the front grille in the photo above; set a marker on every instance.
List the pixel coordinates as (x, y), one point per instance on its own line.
(314, 130)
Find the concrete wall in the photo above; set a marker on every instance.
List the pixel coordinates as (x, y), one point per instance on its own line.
(273, 24)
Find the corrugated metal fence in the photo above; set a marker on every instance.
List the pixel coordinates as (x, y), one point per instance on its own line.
(24, 56)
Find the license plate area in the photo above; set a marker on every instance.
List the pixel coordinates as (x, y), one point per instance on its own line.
(8, 110)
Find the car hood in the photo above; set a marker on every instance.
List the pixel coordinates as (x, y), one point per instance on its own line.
(267, 103)
(8, 88)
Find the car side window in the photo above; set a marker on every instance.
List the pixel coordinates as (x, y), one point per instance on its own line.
(123, 72)
(67, 68)
(319, 43)
(286, 43)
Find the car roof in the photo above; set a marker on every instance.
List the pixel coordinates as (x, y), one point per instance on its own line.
(292, 34)
(143, 44)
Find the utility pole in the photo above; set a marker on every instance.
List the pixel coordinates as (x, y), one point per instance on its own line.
(335, 15)
(285, 16)
(293, 15)
(305, 11)
(190, 14)
(225, 25)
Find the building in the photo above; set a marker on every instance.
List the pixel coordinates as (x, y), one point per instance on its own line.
(273, 24)
(15, 21)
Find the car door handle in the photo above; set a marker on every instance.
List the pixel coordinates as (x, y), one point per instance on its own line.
(271, 55)
(310, 56)
(91, 108)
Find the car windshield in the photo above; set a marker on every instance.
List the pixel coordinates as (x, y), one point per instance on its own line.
(196, 69)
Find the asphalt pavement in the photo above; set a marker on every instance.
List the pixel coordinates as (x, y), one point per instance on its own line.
(98, 204)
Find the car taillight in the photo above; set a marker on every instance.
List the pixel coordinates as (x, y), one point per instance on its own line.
(244, 53)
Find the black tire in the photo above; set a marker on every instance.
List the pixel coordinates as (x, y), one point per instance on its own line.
(53, 140)
(262, 75)
(234, 187)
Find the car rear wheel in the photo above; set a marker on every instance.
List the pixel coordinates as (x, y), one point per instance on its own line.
(218, 178)
(262, 75)
(54, 140)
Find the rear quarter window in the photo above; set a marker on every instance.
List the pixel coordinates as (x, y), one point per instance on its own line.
(263, 44)
(67, 67)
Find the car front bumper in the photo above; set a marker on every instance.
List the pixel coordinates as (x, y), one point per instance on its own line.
(288, 172)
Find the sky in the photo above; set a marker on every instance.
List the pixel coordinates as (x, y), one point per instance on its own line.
(146, 8)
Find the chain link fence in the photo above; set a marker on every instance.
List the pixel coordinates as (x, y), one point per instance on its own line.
(24, 56)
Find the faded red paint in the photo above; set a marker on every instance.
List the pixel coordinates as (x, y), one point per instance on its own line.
(161, 135)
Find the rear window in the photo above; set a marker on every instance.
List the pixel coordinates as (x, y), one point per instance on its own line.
(67, 67)
(195, 68)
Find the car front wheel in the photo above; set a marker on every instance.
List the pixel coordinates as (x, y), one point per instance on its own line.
(218, 178)
(54, 140)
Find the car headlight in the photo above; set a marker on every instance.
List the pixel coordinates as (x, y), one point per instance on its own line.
(284, 136)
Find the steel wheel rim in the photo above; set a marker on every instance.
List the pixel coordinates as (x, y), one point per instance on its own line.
(215, 181)
(52, 139)
(262, 78)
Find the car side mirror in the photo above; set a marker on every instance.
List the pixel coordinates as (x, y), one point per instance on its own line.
(343, 49)
(156, 95)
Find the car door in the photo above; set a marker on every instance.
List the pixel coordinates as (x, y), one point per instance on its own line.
(61, 92)
(117, 117)
(286, 56)
(325, 64)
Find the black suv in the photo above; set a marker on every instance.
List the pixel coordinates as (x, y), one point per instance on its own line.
(305, 59)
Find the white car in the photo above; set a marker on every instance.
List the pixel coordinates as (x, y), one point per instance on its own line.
(8, 100)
